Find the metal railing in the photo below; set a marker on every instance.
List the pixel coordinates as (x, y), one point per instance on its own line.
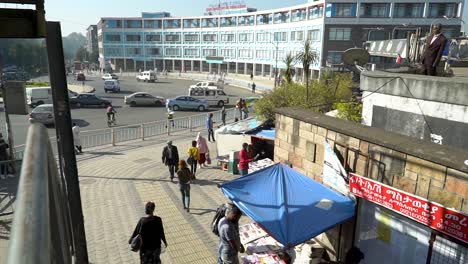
(41, 224)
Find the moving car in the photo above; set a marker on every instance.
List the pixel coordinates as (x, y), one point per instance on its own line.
(142, 98)
(88, 99)
(112, 86)
(146, 76)
(186, 102)
(43, 114)
(214, 96)
(38, 95)
(212, 85)
(110, 76)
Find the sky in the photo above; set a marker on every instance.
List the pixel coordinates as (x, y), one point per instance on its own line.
(76, 16)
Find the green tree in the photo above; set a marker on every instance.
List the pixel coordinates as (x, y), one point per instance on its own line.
(81, 54)
(307, 57)
(289, 72)
(351, 111)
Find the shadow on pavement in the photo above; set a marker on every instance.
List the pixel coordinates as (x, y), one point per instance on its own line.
(80, 122)
(103, 153)
(201, 211)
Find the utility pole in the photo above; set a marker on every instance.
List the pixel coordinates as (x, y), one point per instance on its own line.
(58, 82)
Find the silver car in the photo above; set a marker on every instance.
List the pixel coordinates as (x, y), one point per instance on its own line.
(142, 98)
(43, 114)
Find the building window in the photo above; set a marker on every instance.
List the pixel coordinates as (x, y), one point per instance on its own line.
(172, 51)
(263, 37)
(132, 24)
(191, 23)
(298, 15)
(153, 51)
(209, 22)
(228, 53)
(113, 51)
(375, 10)
(153, 38)
(339, 34)
(228, 21)
(315, 12)
(112, 37)
(334, 57)
(246, 21)
(264, 19)
(228, 37)
(172, 23)
(281, 54)
(262, 54)
(409, 10)
(172, 38)
(443, 9)
(191, 38)
(209, 37)
(280, 36)
(132, 37)
(341, 10)
(245, 53)
(152, 23)
(132, 51)
(313, 35)
(113, 24)
(209, 52)
(282, 17)
(191, 52)
(245, 37)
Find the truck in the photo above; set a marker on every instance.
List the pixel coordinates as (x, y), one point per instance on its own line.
(146, 76)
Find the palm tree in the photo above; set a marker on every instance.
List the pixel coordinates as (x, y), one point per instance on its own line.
(289, 72)
(307, 57)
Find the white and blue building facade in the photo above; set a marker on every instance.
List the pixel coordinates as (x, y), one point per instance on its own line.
(255, 42)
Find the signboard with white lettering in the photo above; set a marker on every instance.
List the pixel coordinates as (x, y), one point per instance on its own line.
(433, 215)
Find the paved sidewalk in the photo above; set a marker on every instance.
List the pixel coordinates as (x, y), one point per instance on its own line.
(115, 184)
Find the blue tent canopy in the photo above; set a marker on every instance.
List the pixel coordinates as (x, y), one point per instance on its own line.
(291, 207)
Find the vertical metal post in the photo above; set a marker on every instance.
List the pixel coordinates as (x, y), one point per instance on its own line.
(190, 123)
(113, 136)
(142, 131)
(276, 67)
(63, 126)
(168, 127)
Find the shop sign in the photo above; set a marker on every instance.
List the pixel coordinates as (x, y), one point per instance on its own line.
(431, 214)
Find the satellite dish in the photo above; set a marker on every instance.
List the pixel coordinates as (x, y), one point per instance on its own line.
(355, 58)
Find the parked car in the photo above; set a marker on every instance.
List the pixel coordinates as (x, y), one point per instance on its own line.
(186, 102)
(88, 99)
(80, 77)
(214, 96)
(112, 86)
(146, 76)
(38, 95)
(110, 76)
(142, 98)
(212, 85)
(43, 114)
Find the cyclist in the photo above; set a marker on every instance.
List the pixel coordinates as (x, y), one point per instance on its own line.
(110, 111)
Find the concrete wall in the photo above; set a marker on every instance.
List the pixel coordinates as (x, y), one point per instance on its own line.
(424, 107)
(431, 171)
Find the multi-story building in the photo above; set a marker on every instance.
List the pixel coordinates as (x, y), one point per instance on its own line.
(91, 39)
(255, 42)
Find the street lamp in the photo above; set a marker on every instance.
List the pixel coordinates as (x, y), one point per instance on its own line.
(276, 45)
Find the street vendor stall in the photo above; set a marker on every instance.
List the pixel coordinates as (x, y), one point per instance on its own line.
(289, 207)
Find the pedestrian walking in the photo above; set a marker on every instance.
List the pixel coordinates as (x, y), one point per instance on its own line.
(229, 239)
(170, 158)
(253, 87)
(223, 115)
(251, 76)
(202, 149)
(239, 107)
(4, 157)
(194, 157)
(76, 138)
(185, 176)
(244, 159)
(170, 117)
(209, 126)
(151, 231)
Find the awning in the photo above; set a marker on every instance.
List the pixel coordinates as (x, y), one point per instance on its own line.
(265, 134)
(289, 206)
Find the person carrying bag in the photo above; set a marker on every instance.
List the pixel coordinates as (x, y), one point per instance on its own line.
(194, 157)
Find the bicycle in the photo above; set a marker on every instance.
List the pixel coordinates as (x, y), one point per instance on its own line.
(111, 121)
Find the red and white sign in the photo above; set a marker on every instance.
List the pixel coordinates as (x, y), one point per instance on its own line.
(445, 220)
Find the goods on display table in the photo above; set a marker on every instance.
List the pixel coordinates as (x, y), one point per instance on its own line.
(259, 246)
(260, 164)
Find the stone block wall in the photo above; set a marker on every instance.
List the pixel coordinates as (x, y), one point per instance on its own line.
(301, 144)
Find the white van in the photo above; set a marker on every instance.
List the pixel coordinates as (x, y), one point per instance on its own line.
(38, 95)
(147, 76)
(213, 96)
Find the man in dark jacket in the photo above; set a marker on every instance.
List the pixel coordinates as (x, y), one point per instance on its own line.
(3, 157)
(435, 45)
(170, 158)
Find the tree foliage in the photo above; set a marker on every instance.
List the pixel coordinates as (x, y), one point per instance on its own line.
(289, 72)
(307, 57)
(349, 111)
(335, 87)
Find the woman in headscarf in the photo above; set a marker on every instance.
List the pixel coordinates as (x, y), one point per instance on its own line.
(202, 149)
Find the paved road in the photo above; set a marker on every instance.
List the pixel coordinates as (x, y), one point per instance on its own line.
(94, 118)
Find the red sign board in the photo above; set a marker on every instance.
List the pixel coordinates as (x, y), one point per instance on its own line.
(431, 214)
